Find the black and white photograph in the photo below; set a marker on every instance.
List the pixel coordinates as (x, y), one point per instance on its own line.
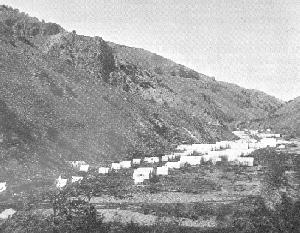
(149, 116)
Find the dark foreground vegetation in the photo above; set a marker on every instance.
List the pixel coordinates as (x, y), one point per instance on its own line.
(276, 209)
(83, 218)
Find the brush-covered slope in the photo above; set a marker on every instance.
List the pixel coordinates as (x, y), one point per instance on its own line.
(182, 88)
(65, 96)
(285, 120)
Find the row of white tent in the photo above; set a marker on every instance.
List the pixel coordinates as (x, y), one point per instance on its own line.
(242, 144)
(222, 148)
(231, 150)
(145, 173)
(247, 133)
(61, 182)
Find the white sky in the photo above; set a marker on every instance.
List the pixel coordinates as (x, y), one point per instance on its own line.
(253, 43)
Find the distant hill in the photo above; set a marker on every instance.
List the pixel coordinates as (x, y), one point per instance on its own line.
(285, 120)
(65, 96)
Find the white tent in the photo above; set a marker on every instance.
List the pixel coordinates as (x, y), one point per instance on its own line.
(103, 170)
(142, 173)
(76, 178)
(125, 164)
(151, 159)
(7, 213)
(60, 183)
(84, 168)
(115, 166)
(136, 161)
(2, 186)
(163, 171)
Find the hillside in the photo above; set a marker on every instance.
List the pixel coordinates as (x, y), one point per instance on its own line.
(65, 96)
(286, 119)
(181, 87)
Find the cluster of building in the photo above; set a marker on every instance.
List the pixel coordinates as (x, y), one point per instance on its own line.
(236, 152)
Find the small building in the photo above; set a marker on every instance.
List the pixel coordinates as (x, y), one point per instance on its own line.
(103, 170)
(142, 173)
(151, 159)
(136, 161)
(3, 186)
(60, 183)
(115, 166)
(84, 168)
(76, 179)
(125, 164)
(281, 147)
(162, 171)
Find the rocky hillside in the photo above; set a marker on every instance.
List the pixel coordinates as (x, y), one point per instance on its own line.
(65, 96)
(182, 88)
(285, 120)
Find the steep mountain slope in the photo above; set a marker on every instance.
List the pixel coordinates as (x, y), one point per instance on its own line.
(181, 87)
(285, 120)
(65, 96)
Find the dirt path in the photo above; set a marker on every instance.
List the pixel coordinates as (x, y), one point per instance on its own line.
(126, 216)
(176, 197)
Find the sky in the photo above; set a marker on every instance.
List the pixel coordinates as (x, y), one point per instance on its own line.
(252, 43)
